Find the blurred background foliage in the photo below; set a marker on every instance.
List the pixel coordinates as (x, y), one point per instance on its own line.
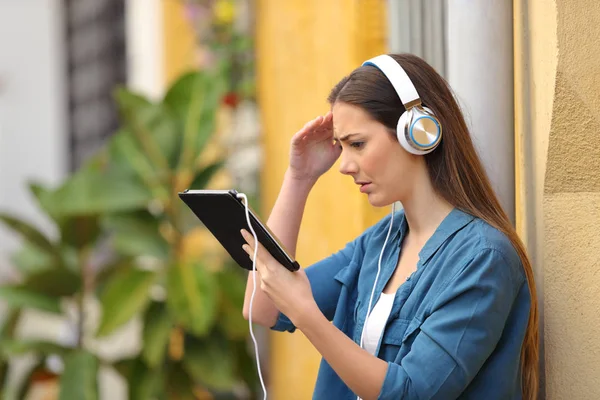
(127, 247)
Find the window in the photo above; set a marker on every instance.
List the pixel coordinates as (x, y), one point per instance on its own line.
(96, 60)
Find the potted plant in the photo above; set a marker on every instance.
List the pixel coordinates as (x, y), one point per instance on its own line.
(159, 264)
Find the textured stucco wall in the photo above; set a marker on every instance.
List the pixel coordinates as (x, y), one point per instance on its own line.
(558, 182)
(572, 208)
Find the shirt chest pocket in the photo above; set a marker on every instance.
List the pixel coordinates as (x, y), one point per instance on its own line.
(398, 337)
(346, 302)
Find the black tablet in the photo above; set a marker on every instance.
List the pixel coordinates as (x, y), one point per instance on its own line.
(224, 214)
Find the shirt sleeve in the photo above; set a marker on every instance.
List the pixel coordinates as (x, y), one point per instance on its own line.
(325, 288)
(465, 324)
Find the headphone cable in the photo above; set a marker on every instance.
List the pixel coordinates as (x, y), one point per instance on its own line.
(262, 383)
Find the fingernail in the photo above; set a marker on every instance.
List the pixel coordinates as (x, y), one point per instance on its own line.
(243, 232)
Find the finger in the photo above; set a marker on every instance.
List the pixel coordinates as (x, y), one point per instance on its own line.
(262, 270)
(248, 237)
(259, 265)
(263, 254)
(327, 119)
(306, 129)
(336, 148)
(326, 128)
(249, 246)
(249, 251)
(310, 125)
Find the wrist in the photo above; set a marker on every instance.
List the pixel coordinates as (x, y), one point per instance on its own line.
(302, 183)
(309, 318)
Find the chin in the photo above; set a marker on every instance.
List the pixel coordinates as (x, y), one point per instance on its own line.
(379, 201)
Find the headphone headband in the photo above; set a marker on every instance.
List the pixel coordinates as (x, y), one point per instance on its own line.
(398, 78)
(418, 129)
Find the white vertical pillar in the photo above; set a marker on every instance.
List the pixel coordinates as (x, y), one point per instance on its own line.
(33, 109)
(417, 27)
(144, 35)
(480, 70)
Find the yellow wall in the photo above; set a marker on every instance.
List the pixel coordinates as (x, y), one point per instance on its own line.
(178, 40)
(304, 48)
(557, 71)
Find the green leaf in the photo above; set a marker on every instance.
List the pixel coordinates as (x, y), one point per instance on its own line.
(124, 296)
(179, 384)
(96, 189)
(137, 234)
(29, 259)
(142, 381)
(233, 289)
(45, 199)
(20, 297)
(15, 347)
(154, 127)
(9, 324)
(80, 231)
(194, 99)
(79, 380)
(106, 274)
(53, 282)
(246, 365)
(30, 234)
(77, 231)
(204, 176)
(192, 297)
(71, 259)
(125, 149)
(157, 327)
(211, 362)
(3, 383)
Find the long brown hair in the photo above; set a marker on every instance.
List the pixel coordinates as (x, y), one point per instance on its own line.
(453, 167)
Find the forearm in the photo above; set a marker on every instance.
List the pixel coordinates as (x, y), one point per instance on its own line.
(287, 212)
(284, 222)
(362, 372)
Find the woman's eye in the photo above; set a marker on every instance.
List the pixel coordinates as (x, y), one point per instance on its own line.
(357, 145)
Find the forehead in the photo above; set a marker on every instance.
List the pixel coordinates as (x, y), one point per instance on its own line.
(348, 118)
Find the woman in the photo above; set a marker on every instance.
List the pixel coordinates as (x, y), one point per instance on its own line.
(436, 301)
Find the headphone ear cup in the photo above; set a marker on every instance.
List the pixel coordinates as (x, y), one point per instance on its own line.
(431, 115)
(402, 132)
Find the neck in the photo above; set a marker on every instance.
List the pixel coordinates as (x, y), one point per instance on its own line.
(424, 210)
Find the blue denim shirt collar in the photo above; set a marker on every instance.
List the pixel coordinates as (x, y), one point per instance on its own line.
(452, 223)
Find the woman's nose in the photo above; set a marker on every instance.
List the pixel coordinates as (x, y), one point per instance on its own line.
(347, 165)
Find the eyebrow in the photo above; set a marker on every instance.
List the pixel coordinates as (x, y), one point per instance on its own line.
(345, 137)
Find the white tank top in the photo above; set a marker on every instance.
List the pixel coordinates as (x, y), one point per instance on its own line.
(377, 320)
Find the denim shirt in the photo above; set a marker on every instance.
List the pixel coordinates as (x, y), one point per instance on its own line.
(457, 323)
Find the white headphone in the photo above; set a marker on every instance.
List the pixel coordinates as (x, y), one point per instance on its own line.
(418, 130)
